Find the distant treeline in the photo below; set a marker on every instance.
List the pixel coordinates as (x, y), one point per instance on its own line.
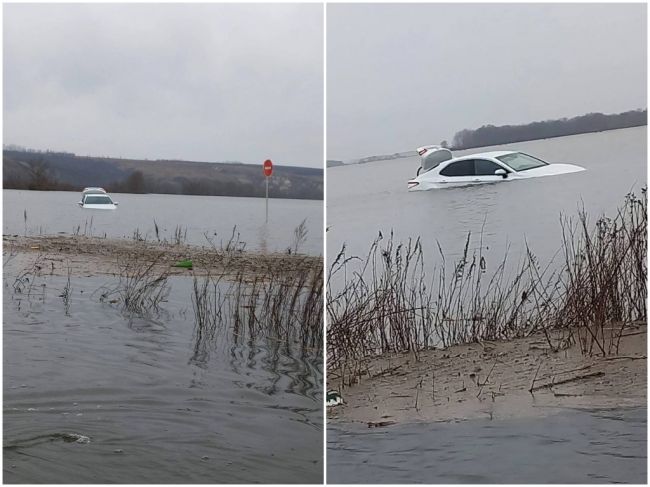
(36, 176)
(592, 122)
(63, 171)
(334, 163)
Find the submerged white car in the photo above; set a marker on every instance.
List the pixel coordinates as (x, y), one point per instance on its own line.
(96, 199)
(439, 169)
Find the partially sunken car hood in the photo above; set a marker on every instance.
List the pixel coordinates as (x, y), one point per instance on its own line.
(551, 170)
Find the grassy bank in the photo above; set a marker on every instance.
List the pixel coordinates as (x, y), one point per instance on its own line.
(248, 295)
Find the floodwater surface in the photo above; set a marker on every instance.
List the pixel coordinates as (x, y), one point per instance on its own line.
(94, 395)
(198, 218)
(573, 446)
(364, 199)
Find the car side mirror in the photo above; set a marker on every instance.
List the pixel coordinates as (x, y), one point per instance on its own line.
(80, 203)
(115, 203)
(501, 172)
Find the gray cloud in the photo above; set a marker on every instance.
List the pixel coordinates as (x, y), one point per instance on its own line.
(400, 76)
(197, 82)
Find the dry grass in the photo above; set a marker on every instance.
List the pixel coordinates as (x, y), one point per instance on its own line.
(604, 281)
(282, 305)
(142, 285)
(388, 304)
(66, 294)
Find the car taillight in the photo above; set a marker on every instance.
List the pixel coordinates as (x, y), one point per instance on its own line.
(412, 184)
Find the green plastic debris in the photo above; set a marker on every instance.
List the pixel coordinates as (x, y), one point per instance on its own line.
(185, 264)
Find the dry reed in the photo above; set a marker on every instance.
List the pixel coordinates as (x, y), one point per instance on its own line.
(142, 286)
(385, 303)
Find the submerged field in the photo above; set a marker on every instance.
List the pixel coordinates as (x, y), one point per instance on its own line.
(119, 367)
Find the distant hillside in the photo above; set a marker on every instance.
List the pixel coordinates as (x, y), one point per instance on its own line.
(28, 169)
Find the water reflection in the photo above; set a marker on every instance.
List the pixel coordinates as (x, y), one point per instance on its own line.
(263, 238)
(161, 391)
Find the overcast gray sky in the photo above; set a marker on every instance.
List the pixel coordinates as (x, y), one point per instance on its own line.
(402, 76)
(199, 82)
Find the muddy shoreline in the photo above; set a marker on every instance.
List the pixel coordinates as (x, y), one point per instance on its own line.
(91, 256)
(494, 380)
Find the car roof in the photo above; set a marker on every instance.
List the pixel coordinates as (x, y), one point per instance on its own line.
(94, 190)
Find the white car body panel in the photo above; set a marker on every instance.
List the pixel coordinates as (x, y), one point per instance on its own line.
(432, 179)
(550, 170)
(91, 192)
(99, 207)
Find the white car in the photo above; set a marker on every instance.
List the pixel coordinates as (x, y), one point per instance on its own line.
(96, 199)
(439, 169)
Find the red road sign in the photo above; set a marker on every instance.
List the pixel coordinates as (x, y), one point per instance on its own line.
(268, 167)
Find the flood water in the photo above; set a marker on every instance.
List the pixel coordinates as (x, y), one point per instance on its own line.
(94, 395)
(588, 446)
(569, 447)
(51, 212)
(367, 198)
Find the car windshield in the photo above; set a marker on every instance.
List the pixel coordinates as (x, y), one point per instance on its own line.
(97, 200)
(519, 161)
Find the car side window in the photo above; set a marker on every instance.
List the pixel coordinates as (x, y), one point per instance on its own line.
(483, 167)
(460, 168)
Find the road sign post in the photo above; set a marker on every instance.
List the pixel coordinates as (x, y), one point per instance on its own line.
(268, 170)
(267, 199)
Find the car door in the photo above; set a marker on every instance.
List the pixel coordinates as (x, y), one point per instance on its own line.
(484, 171)
(458, 173)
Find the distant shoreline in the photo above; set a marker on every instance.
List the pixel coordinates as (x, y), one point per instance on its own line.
(413, 153)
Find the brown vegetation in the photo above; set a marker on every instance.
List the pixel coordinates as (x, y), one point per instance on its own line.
(284, 305)
(389, 305)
